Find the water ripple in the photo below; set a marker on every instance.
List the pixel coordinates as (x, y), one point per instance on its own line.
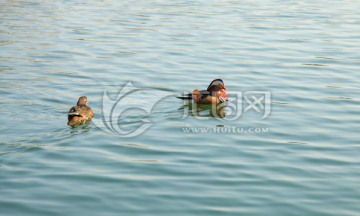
(304, 53)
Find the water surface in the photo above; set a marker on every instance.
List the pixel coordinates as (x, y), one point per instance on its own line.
(305, 53)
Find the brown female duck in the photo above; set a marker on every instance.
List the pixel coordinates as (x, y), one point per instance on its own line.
(80, 113)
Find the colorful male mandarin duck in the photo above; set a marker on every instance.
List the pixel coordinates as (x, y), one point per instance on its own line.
(80, 113)
(214, 94)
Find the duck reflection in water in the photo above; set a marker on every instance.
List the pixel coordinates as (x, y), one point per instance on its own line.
(204, 110)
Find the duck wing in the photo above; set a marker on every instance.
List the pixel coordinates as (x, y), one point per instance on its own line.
(79, 114)
(189, 96)
(72, 112)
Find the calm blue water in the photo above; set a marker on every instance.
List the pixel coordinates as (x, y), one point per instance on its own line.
(305, 53)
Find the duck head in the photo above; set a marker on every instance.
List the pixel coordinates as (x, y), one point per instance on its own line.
(216, 85)
(82, 101)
